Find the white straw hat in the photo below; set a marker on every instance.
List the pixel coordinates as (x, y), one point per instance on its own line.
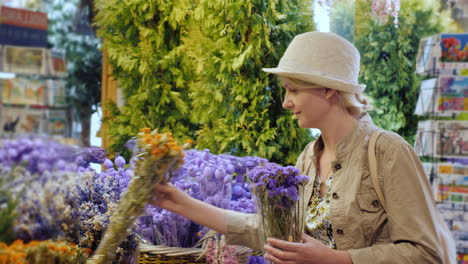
(321, 58)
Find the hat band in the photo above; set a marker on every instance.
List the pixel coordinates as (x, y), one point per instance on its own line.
(285, 68)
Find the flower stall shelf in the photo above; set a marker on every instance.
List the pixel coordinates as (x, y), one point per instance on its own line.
(69, 200)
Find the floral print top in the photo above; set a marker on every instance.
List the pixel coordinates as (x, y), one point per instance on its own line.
(317, 220)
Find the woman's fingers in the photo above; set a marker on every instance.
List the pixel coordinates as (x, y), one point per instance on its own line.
(278, 243)
(278, 253)
(164, 187)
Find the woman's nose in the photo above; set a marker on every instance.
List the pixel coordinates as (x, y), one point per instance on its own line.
(287, 104)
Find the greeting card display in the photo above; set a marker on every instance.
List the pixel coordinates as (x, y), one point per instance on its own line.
(56, 93)
(426, 59)
(454, 48)
(452, 94)
(23, 91)
(19, 120)
(56, 122)
(439, 138)
(425, 138)
(24, 60)
(452, 139)
(442, 53)
(452, 173)
(57, 64)
(427, 97)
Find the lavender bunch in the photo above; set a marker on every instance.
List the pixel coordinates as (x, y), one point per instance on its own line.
(85, 156)
(160, 156)
(74, 207)
(37, 154)
(278, 191)
(42, 206)
(93, 198)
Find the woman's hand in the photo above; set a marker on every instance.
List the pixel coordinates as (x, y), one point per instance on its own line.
(171, 198)
(310, 251)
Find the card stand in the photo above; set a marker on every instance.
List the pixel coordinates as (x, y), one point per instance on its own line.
(442, 137)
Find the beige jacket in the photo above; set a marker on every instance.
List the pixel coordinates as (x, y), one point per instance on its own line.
(405, 234)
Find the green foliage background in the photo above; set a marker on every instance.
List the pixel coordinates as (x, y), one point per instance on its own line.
(194, 67)
(388, 59)
(342, 19)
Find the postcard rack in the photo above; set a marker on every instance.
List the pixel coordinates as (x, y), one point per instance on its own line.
(442, 136)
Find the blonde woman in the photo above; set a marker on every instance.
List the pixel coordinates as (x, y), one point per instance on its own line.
(345, 220)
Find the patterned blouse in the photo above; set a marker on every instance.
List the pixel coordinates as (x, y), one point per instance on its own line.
(317, 220)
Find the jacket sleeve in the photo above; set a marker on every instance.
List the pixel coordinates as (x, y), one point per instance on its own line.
(244, 229)
(410, 210)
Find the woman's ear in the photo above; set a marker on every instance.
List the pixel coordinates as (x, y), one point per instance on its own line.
(329, 93)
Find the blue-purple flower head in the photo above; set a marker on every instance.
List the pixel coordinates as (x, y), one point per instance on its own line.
(276, 182)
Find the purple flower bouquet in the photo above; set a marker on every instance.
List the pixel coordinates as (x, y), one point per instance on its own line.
(278, 191)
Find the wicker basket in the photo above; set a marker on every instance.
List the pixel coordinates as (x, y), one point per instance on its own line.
(150, 254)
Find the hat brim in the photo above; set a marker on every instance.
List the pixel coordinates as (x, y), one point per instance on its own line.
(320, 79)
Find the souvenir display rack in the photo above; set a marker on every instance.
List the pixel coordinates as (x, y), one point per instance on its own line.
(442, 138)
(32, 92)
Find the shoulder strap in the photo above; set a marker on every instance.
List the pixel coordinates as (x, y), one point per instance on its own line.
(307, 150)
(373, 166)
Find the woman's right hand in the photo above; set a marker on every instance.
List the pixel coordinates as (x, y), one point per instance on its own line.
(171, 198)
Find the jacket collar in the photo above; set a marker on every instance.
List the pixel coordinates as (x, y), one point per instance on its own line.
(349, 142)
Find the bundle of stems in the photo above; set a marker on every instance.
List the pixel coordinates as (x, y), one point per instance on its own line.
(159, 156)
(282, 222)
(279, 195)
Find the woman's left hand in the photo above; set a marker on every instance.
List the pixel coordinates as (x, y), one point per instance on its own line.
(310, 251)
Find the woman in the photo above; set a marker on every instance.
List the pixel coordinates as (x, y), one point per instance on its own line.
(345, 221)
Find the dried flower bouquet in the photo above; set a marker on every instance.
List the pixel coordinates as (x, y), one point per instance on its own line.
(278, 191)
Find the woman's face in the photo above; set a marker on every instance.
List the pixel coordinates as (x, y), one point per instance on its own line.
(309, 105)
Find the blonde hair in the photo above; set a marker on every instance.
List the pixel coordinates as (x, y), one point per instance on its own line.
(355, 103)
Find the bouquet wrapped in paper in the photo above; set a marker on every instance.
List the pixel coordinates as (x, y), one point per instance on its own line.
(159, 156)
(278, 191)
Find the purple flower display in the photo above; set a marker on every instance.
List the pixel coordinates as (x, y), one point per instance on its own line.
(206, 177)
(37, 154)
(41, 205)
(65, 198)
(277, 190)
(74, 206)
(90, 155)
(40, 154)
